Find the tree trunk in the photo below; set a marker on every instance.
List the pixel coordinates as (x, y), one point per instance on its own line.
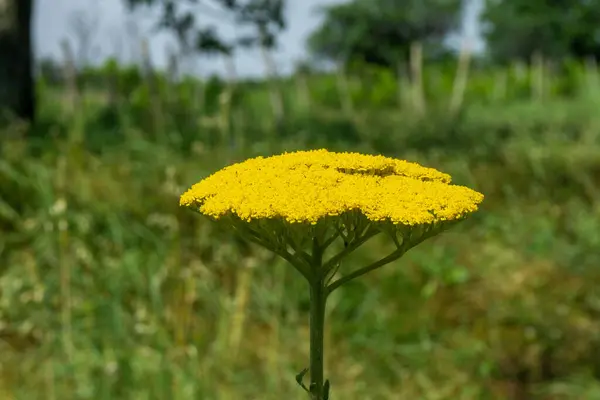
(16, 61)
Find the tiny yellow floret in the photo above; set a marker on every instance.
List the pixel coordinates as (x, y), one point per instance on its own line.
(306, 186)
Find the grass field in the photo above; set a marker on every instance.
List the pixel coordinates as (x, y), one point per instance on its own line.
(108, 290)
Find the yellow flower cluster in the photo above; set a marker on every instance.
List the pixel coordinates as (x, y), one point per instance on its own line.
(306, 186)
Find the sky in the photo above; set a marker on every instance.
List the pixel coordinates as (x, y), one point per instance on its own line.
(114, 33)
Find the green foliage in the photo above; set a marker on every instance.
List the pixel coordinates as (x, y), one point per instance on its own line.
(265, 18)
(518, 29)
(217, 113)
(109, 290)
(381, 31)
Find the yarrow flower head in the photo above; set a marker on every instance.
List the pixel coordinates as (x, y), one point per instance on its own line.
(307, 186)
(299, 204)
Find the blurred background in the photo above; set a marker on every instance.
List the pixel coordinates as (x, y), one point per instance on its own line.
(108, 290)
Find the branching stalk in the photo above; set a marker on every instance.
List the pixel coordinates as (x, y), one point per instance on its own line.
(345, 279)
(355, 244)
(255, 238)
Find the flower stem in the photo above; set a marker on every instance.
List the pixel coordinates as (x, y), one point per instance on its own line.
(318, 298)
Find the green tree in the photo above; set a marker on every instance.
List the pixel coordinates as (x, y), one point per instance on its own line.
(381, 31)
(264, 17)
(16, 67)
(518, 29)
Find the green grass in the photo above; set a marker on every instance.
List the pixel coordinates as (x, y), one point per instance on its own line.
(108, 290)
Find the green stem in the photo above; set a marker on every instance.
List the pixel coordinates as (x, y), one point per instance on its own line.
(345, 279)
(318, 299)
(400, 251)
(255, 237)
(355, 244)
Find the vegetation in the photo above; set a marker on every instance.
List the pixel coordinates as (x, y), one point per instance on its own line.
(264, 18)
(380, 32)
(374, 32)
(109, 290)
(520, 29)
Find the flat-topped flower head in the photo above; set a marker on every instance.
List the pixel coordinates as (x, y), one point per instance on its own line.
(308, 186)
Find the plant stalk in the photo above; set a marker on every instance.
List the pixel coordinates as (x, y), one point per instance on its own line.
(318, 299)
